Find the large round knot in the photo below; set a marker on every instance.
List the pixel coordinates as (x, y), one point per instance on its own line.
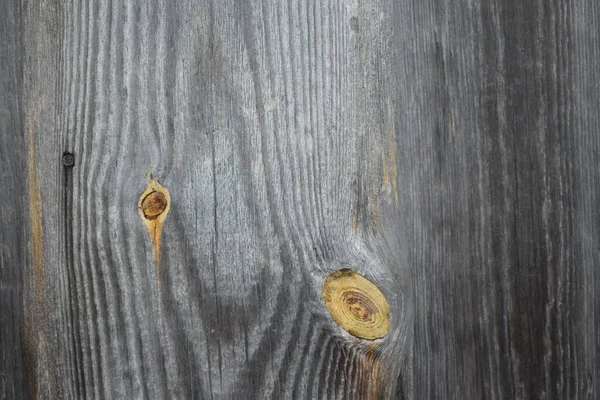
(357, 305)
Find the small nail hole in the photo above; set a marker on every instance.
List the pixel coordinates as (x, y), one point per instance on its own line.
(68, 159)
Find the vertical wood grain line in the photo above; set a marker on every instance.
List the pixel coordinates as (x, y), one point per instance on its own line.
(35, 208)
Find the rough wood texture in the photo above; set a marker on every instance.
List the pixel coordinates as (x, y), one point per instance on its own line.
(507, 277)
(13, 216)
(448, 151)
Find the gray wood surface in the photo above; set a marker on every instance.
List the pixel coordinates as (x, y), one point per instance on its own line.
(446, 150)
(13, 214)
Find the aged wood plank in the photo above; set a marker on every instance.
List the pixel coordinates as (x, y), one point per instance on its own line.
(273, 127)
(583, 324)
(445, 150)
(12, 220)
(506, 255)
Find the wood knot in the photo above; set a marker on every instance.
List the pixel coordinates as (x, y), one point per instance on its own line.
(357, 305)
(153, 207)
(154, 204)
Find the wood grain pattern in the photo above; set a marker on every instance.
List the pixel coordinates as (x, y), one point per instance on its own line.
(445, 150)
(13, 219)
(508, 303)
(265, 125)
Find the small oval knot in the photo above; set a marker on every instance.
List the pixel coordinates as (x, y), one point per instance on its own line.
(154, 204)
(153, 207)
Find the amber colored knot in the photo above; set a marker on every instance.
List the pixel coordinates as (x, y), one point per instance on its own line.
(357, 305)
(154, 204)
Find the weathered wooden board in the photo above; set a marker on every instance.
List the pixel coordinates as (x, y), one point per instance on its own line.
(446, 150)
(13, 213)
(271, 125)
(506, 233)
